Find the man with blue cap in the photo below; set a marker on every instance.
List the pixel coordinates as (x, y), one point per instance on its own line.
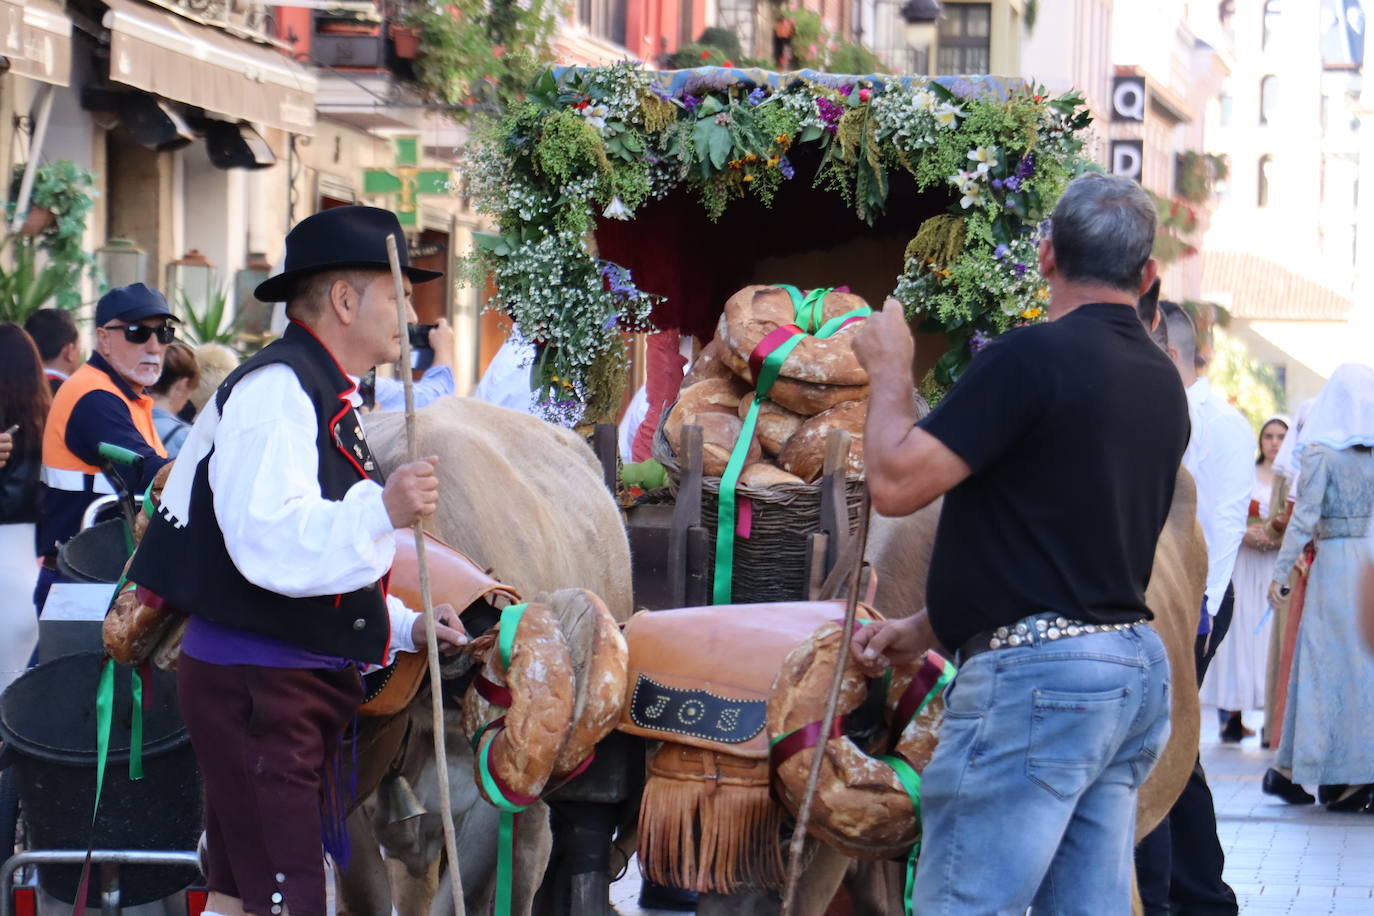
(103, 401)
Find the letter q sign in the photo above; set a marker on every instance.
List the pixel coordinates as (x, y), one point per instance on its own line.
(1128, 98)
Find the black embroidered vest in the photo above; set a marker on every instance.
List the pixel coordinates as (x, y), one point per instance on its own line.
(186, 563)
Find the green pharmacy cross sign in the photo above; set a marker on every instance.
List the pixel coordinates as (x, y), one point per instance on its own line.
(406, 182)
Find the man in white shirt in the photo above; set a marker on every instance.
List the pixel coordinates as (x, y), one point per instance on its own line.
(275, 535)
(1180, 862)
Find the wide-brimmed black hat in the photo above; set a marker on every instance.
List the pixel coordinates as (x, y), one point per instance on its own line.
(342, 238)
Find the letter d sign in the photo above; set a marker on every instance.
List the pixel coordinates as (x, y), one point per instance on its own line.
(1127, 158)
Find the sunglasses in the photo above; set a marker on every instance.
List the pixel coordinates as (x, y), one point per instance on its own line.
(139, 333)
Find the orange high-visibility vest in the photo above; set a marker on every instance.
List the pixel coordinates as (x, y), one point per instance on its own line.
(63, 470)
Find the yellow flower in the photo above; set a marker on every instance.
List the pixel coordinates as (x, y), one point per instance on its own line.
(783, 140)
(1043, 292)
(1032, 313)
(735, 163)
(748, 177)
(773, 161)
(750, 157)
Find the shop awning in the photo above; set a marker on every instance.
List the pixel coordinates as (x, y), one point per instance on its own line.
(36, 37)
(170, 56)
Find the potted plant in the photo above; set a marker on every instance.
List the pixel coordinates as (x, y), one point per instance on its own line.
(53, 226)
(405, 40)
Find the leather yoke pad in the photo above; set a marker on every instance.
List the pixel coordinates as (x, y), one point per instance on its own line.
(701, 676)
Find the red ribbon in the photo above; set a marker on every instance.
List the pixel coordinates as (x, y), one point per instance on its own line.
(774, 339)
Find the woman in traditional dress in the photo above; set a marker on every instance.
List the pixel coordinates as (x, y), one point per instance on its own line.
(1328, 727)
(1235, 680)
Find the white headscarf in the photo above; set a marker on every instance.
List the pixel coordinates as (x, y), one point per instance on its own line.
(1343, 413)
(1287, 430)
(1285, 464)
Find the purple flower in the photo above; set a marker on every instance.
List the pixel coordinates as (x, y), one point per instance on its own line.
(997, 184)
(690, 102)
(846, 89)
(978, 341)
(830, 113)
(785, 167)
(757, 96)
(1000, 252)
(610, 322)
(1025, 168)
(1019, 269)
(1013, 183)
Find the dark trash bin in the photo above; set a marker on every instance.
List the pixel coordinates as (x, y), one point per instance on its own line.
(95, 554)
(48, 724)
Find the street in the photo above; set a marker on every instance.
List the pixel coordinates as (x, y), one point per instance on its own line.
(1302, 861)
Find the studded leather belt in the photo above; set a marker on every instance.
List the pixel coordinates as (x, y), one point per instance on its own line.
(1034, 630)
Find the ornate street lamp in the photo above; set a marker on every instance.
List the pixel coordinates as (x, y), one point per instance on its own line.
(920, 17)
(122, 262)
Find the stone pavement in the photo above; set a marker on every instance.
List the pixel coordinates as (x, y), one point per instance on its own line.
(1280, 859)
(1299, 860)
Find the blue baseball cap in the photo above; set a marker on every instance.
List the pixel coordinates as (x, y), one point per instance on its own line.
(131, 303)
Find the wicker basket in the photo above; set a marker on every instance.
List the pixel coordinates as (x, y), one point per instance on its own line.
(773, 562)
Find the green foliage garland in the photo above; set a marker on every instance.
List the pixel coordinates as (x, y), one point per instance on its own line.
(607, 140)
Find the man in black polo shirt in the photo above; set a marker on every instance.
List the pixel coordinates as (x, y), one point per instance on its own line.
(1058, 449)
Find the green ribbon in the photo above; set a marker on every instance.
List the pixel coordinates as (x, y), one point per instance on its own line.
(808, 314)
(136, 727)
(505, 846)
(911, 782)
(505, 640)
(104, 718)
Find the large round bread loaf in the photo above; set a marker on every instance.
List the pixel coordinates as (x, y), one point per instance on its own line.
(710, 364)
(860, 806)
(719, 433)
(803, 398)
(717, 395)
(540, 680)
(756, 311)
(600, 662)
(804, 453)
(775, 424)
(763, 474)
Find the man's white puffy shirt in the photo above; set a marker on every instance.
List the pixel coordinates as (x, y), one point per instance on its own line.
(1221, 458)
(279, 530)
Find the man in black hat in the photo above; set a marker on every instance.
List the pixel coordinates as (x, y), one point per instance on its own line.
(103, 402)
(275, 534)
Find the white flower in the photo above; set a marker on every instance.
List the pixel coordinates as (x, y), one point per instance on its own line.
(924, 99)
(596, 115)
(967, 183)
(984, 156)
(616, 210)
(948, 115)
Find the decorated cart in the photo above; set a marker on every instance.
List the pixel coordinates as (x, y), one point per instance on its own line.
(748, 220)
(633, 201)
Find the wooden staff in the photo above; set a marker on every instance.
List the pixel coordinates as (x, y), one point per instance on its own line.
(832, 703)
(431, 637)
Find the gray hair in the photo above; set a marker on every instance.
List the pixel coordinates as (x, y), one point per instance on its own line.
(1182, 332)
(1103, 230)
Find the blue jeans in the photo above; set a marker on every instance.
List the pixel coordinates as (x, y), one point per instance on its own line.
(1030, 798)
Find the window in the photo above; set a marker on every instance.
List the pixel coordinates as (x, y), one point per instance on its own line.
(1269, 99)
(1225, 104)
(603, 18)
(1272, 10)
(1262, 198)
(964, 46)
